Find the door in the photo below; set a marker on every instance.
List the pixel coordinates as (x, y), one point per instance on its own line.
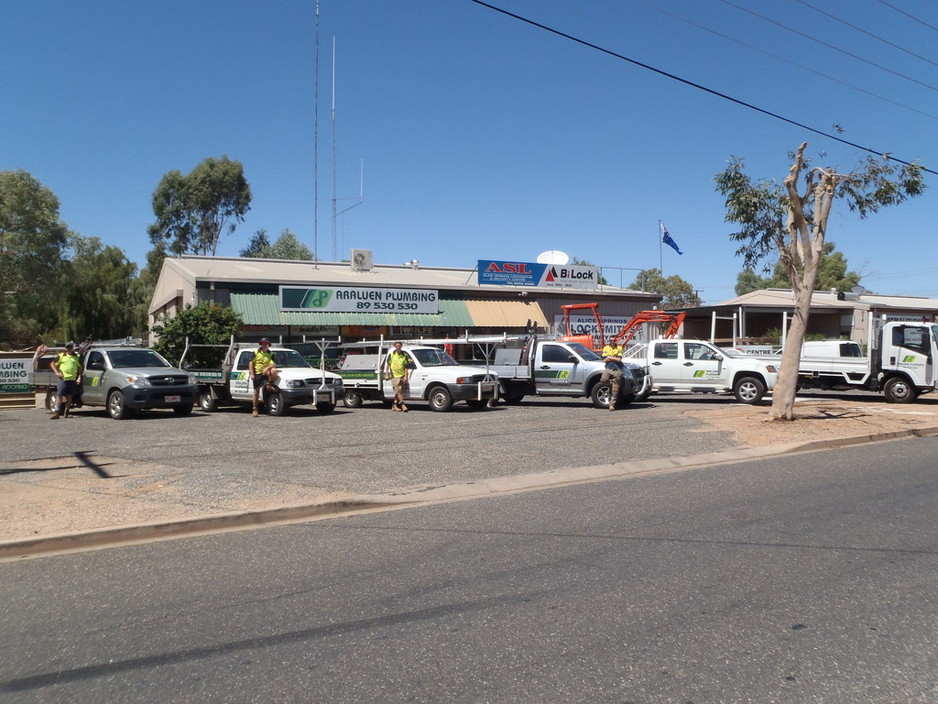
(665, 365)
(239, 379)
(703, 366)
(555, 369)
(92, 392)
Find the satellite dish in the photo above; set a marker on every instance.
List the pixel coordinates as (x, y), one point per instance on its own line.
(553, 256)
(860, 290)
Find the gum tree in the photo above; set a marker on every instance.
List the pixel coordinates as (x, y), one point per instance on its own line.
(791, 219)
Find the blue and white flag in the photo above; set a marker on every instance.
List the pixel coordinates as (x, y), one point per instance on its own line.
(667, 239)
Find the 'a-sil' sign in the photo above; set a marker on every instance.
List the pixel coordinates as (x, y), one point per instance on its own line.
(354, 299)
(502, 273)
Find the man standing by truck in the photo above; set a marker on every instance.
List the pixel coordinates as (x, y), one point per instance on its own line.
(612, 374)
(67, 367)
(263, 371)
(397, 367)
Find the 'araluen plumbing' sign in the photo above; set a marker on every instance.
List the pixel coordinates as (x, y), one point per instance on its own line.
(354, 299)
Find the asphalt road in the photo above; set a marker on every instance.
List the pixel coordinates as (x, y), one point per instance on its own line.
(799, 579)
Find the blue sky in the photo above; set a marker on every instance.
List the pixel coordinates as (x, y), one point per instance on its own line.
(479, 136)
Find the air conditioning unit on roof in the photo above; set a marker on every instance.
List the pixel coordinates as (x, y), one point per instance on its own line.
(361, 260)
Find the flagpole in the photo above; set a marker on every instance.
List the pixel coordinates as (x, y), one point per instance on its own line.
(660, 255)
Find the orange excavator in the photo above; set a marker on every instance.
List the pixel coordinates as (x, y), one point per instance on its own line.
(628, 331)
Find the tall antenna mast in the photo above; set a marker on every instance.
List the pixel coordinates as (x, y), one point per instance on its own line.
(361, 188)
(334, 258)
(316, 149)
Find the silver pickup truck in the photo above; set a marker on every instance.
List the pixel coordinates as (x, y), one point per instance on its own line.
(124, 379)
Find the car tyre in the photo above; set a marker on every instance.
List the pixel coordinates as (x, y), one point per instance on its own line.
(440, 399)
(207, 401)
(275, 404)
(353, 399)
(601, 395)
(899, 390)
(748, 389)
(117, 406)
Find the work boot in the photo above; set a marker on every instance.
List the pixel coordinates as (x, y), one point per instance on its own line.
(394, 407)
(254, 413)
(403, 408)
(54, 416)
(612, 406)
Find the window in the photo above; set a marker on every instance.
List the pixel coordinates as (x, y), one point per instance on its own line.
(554, 354)
(695, 350)
(666, 350)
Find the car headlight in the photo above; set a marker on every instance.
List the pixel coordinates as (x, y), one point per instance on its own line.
(293, 383)
(771, 368)
(138, 382)
(192, 380)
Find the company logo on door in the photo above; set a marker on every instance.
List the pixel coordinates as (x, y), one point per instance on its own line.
(507, 273)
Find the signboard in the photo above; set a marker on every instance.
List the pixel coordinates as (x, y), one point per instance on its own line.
(586, 325)
(505, 273)
(356, 299)
(14, 375)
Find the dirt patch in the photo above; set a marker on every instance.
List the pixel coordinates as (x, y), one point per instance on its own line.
(817, 420)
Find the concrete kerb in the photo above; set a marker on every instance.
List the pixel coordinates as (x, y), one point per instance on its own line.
(204, 525)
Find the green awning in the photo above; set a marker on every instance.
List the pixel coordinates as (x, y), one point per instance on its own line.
(263, 309)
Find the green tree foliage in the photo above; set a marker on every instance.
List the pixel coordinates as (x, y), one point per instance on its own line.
(192, 211)
(832, 273)
(287, 246)
(205, 324)
(675, 291)
(100, 295)
(32, 243)
(791, 219)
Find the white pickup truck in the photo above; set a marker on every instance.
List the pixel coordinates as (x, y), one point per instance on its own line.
(299, 383)
(547, 367)
(694, 366)
(435, 377)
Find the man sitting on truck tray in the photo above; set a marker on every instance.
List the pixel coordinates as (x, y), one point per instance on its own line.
(263, 371)
(67, 366)
(397, 366)
(612, 374)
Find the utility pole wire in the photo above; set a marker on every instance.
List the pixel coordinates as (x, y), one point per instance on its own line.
(711, 91)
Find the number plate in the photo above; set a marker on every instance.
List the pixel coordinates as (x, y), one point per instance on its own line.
(173, 399)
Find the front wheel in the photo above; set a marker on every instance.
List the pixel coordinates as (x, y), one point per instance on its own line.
(352, 399)
(275, 404)
(601, 395)
(116, 406)
(748, 389)
(207, 401)
(440, 399)
(899, 390)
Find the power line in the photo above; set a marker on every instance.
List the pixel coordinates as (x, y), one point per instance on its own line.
(867, 33)
(829, 46)
(910, 16)
(711, 91)
(783, 59)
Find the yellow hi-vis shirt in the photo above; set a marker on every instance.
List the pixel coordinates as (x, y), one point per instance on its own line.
(68, 364)
(262, 360)
(398, 364)
(612, 351)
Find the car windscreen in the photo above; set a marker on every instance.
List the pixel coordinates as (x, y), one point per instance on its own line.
(585, 352)
(433, 358)
(289, 358)
(133, 359)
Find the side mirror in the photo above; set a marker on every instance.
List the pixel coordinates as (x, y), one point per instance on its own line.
(97, 365)
(572, 359)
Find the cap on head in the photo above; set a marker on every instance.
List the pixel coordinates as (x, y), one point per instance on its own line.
(264, 341)
(69, 345)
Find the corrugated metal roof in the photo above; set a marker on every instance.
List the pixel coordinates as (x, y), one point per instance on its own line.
(819, 299)
(193, 268)
(508, 314)
(264, 309)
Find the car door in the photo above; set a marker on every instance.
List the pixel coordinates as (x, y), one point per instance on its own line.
(665, 364)
(554, 369)
(92, 390)
(239, 381)
(703, 366)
